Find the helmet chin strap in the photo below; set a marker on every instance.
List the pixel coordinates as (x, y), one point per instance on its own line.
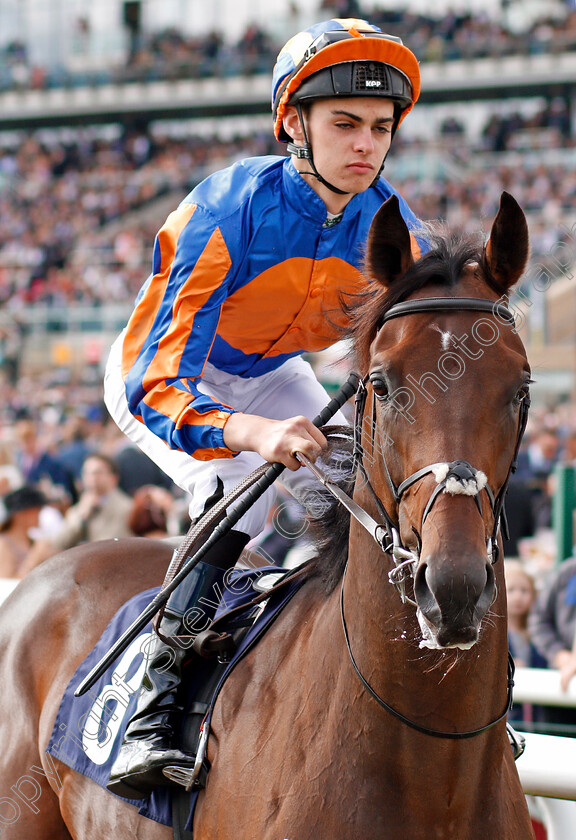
(304, 152)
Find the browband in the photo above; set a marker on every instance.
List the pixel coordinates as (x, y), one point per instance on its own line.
(411, 307)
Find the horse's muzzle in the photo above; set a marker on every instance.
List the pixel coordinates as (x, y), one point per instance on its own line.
(453, 602)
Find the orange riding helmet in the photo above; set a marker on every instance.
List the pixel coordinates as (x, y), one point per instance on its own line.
(343, 57)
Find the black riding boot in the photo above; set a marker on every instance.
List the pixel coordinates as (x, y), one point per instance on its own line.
(149, 741)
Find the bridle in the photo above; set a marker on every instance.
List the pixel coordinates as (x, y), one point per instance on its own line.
(455, 477)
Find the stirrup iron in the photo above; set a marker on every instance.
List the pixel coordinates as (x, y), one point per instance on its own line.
(194, 777)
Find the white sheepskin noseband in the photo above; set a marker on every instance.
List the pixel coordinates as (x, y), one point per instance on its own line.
(456, 486)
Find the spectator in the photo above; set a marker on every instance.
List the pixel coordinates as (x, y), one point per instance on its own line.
(543, 451)
(519, 516)
(552, 626)
(136, 470)
(102, 511)
(536, 463)
(74, 446)
(521, 594)
(20, 514)
(36, 463)
(10, 478)
(151, 512)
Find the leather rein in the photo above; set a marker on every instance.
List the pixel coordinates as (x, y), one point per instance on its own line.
(451, 477)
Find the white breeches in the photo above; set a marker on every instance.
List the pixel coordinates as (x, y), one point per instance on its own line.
(290, 390)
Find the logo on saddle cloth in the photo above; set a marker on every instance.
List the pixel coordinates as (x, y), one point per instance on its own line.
(92, 723)
(88, 730)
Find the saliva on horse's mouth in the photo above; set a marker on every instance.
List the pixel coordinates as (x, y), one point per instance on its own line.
(430, 636)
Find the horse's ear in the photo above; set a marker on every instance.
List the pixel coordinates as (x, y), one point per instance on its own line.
(389, 253)
(507, 249)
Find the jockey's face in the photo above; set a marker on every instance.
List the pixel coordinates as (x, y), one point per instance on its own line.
(349, 137)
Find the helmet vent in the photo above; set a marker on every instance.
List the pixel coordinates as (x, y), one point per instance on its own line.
(371, 76)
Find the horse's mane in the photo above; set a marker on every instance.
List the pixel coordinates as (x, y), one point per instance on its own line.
(449, 252)
(330, 525)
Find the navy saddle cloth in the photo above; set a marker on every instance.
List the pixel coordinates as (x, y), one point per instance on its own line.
(88, 730)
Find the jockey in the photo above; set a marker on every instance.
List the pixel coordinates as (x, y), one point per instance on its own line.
(249, 273)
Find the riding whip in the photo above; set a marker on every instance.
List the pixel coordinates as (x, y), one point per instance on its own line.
(264, 482)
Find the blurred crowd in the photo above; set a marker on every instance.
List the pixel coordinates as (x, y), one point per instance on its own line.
(68, 236)
(464, 34)
(58, 198)
(541, 590)
(170, 54)
(68, 476)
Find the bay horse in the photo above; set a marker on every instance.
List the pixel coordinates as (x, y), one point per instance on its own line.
(374, 706)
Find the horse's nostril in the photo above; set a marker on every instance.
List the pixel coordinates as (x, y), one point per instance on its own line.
(455, 608)
(421, 588)
(489, 593)
(425, 597)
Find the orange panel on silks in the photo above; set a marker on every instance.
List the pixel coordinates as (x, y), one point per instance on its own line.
(295, 303)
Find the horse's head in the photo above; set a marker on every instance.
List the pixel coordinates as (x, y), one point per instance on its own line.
(445, 407)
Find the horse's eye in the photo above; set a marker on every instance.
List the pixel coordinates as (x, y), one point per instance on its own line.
(522, 394)
(379, 385)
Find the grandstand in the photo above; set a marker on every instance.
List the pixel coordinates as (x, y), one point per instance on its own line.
(95, 148)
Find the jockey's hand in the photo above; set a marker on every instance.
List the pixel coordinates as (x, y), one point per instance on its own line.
(274, 440)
